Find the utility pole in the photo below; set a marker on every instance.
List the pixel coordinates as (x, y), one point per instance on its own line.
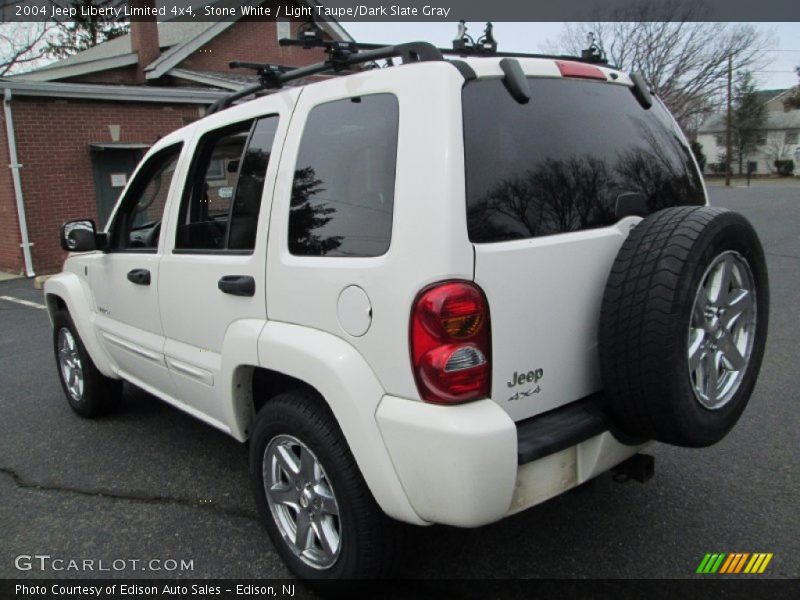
(728, 127)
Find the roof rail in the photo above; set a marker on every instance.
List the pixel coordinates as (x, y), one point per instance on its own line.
(341, 56)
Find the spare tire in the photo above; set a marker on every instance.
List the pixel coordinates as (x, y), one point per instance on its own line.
(683, 325)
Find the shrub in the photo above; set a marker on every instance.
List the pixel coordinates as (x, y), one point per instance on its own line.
(784, 167)
(697, 149)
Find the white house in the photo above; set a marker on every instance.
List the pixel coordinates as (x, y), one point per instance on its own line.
(778, 140)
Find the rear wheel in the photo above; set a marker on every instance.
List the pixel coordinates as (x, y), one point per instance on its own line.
(683, 325)
(88, 391)
(312, 497)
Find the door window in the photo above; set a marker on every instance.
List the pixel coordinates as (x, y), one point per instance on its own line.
(222, 198)
(137, 224)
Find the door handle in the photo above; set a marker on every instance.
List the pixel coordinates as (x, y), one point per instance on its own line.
(139, 276)
(238, 285)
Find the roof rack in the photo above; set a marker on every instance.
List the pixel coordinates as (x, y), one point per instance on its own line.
(343, 55)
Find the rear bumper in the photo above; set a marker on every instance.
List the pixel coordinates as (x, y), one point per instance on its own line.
(470, 465)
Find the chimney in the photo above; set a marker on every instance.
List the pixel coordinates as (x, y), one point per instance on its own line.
(144, 35)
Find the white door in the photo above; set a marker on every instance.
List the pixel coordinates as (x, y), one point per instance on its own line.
(212, 272)
(125, 279)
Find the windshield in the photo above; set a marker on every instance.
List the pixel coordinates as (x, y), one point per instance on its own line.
(579, 155)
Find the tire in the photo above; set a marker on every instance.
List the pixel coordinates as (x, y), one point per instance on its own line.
(92, 394)
(299, 421)
(667, 364)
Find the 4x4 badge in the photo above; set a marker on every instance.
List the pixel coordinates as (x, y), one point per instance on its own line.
(525, 393)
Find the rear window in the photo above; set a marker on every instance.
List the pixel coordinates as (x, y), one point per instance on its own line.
(579, 155)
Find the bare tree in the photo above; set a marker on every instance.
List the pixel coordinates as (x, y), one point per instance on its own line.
(22, 45)
(84, 32)
(684, 59)
(776, 149)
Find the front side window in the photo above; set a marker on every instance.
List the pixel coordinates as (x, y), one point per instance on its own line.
(343, 189)
(222, 197)
(579, 155)
(137, 224)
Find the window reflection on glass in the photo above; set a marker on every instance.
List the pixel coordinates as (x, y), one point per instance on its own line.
(579, 155)
(343, 189)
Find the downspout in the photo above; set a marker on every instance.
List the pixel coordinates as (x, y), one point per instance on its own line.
(15, 167)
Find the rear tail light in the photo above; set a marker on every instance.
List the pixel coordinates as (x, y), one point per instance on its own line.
(451, 343)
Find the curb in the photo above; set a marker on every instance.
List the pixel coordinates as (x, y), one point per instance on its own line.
(38, 281)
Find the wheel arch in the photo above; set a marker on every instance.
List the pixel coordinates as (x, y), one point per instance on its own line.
(291, 356)
(66, 291)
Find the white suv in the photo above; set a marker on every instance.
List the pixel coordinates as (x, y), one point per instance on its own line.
(440, 292)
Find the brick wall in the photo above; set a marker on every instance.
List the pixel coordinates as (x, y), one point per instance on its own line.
(53, 138)
(250, 40)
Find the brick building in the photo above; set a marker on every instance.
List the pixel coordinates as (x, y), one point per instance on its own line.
(74, 130)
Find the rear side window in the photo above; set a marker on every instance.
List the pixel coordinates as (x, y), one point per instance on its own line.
(579, 155)
(343, 189)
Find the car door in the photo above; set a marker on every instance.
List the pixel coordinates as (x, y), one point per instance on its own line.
(212, 272)
(125, 279)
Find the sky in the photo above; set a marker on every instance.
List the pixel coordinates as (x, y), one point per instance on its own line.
(782, 59)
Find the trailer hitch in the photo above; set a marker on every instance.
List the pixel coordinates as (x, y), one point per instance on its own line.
(639, 467)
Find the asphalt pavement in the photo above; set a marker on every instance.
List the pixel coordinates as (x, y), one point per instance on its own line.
(153, 483)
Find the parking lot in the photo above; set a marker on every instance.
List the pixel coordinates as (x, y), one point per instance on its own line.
(151, 482)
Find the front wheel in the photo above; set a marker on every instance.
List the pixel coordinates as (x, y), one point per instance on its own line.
(311, 496)
(88, 391)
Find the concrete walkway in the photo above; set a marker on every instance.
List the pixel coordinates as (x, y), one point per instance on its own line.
(8, 276)
(742, 182)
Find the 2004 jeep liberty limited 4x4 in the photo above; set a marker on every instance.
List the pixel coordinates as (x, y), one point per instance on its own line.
(439, 292)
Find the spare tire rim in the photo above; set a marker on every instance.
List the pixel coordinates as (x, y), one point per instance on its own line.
(721, 330)
(302, 502)
(69, 362)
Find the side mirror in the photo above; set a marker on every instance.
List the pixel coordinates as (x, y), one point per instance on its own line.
(80, 236)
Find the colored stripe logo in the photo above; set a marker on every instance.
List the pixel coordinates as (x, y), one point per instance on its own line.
(734, 562)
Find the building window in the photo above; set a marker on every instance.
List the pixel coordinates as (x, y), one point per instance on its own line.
(720, 139)
(343, 189)
(283, 29)
(752, 166)
(761, 140)
(791, 137)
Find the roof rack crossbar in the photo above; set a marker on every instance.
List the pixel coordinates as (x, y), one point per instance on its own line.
(465, 53)
(342, 55)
